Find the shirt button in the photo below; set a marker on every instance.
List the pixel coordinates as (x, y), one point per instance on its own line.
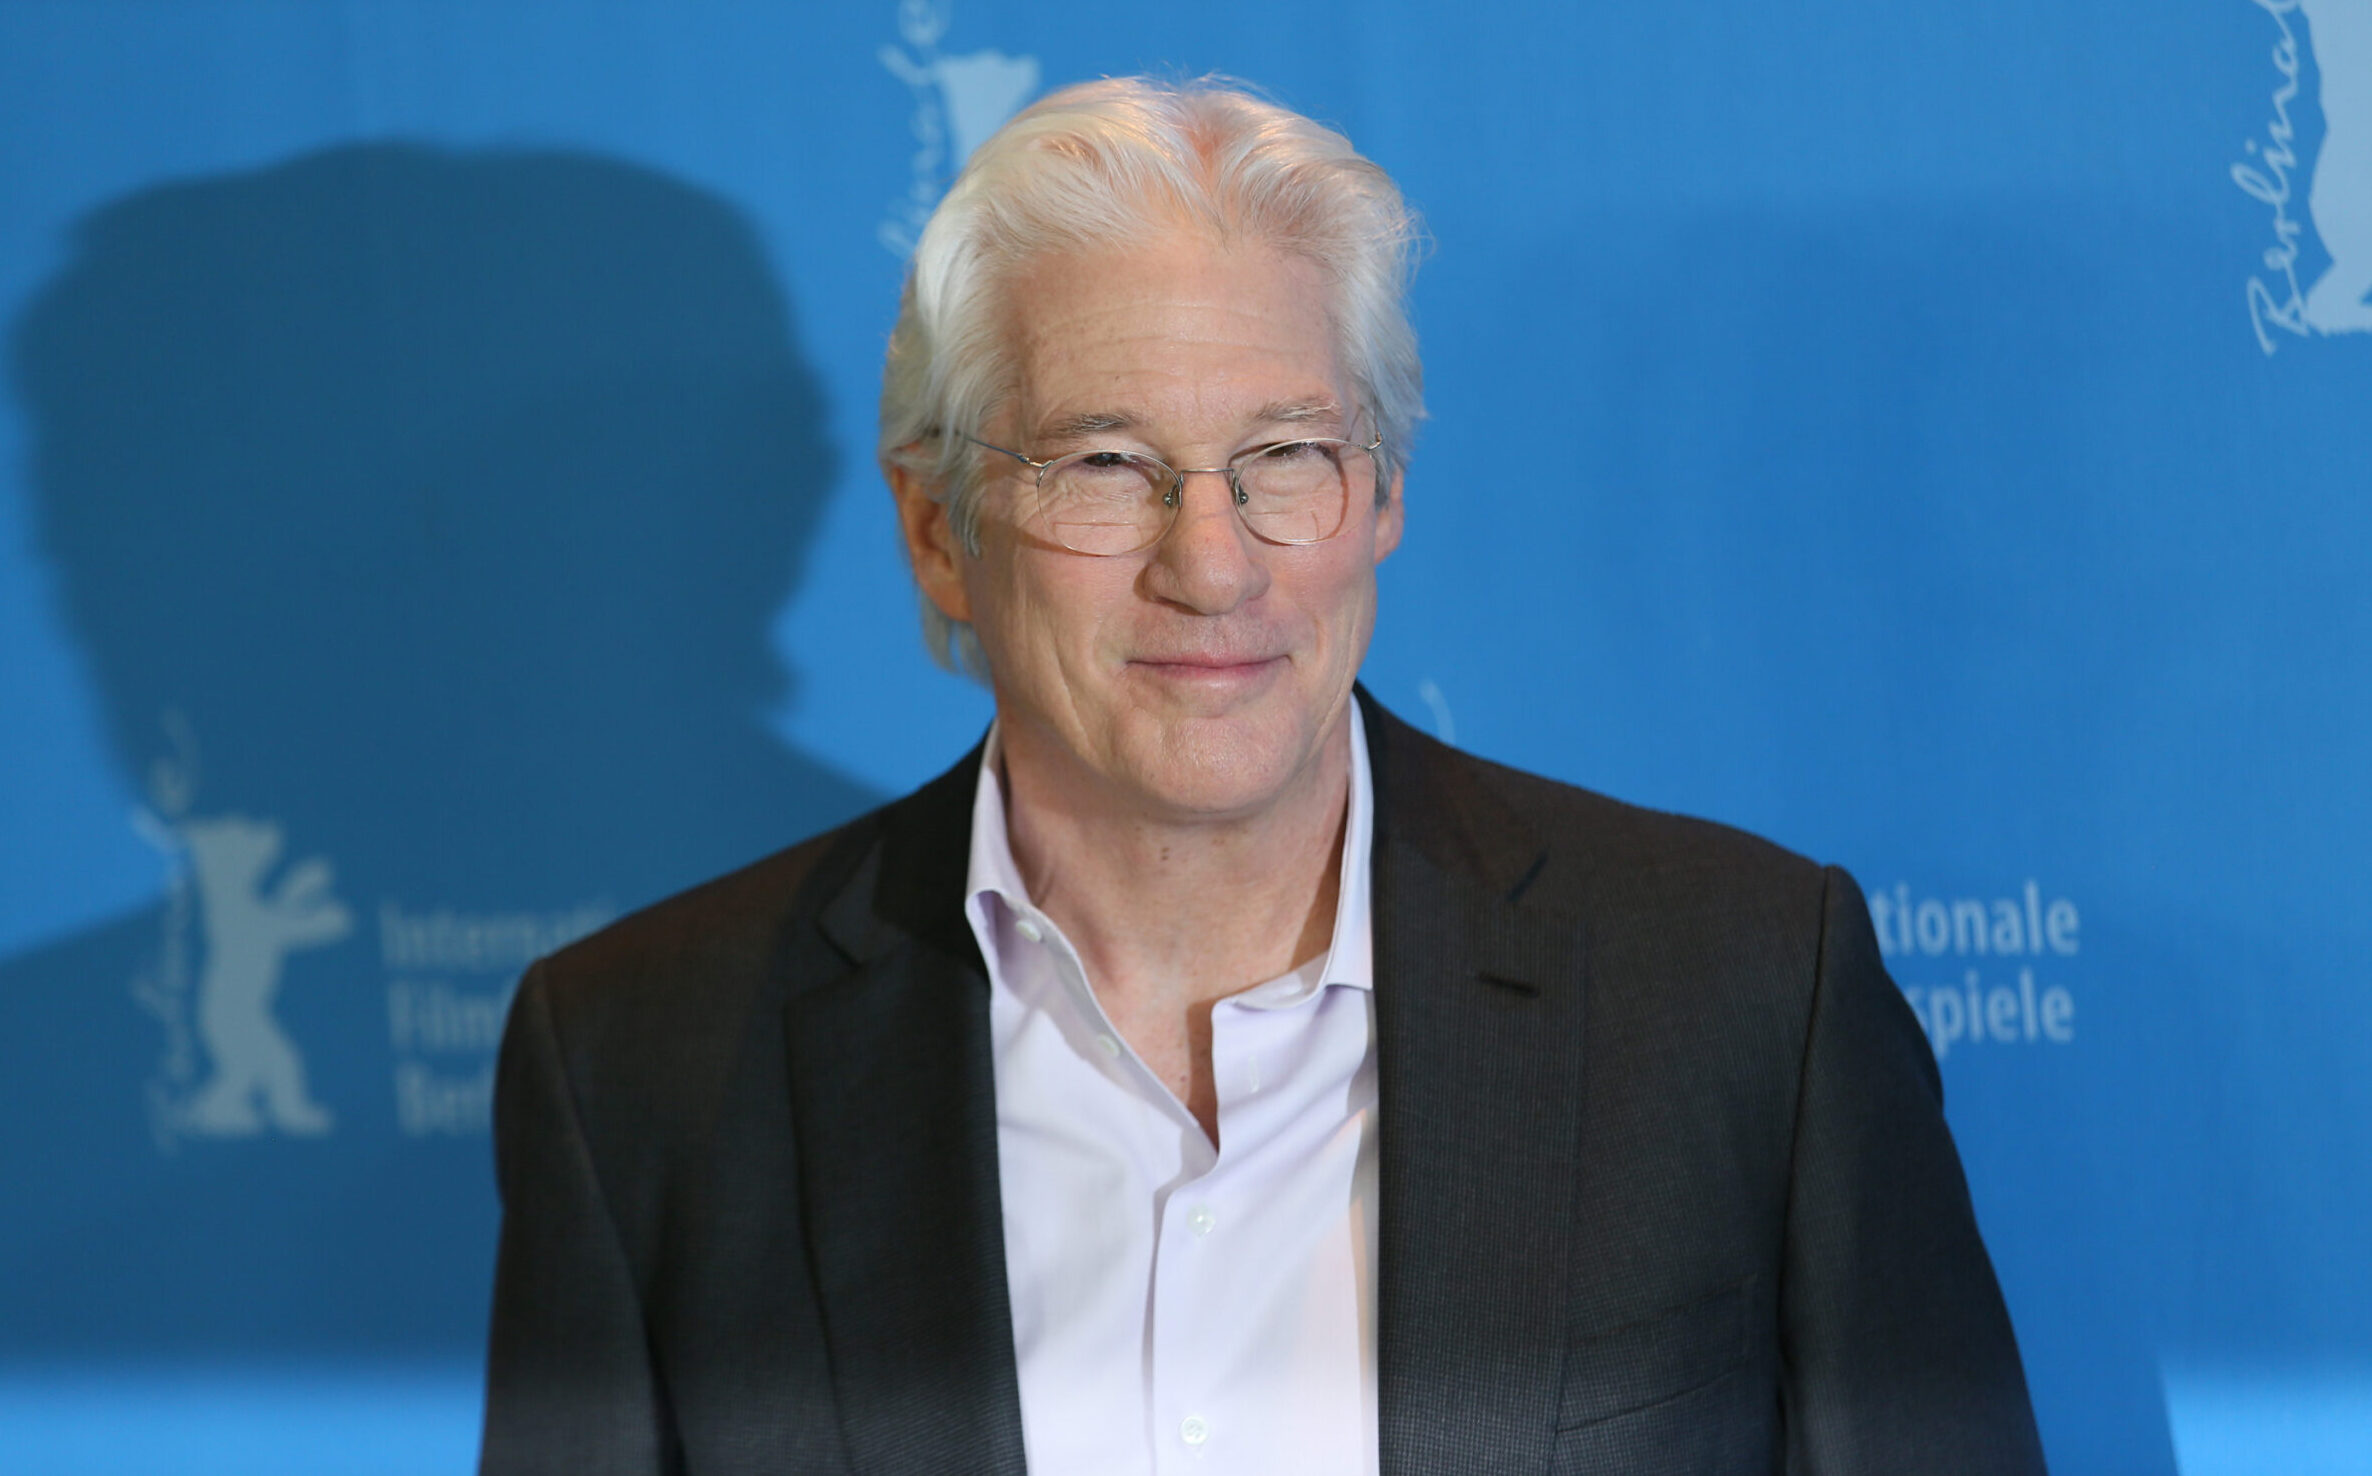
(1194, 1429)
(1111, 1046)
(1029, 930)
(1201, 1220)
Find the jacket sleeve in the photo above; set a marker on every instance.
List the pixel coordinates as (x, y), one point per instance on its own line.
(1899, 1354)
(569, 1385)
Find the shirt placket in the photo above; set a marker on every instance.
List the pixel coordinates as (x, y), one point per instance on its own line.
(1191, 1433)
(1181, 1430)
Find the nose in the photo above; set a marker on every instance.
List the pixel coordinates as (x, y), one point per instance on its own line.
(1208, 561)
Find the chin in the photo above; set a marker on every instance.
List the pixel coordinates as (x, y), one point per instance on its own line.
(1227, 764)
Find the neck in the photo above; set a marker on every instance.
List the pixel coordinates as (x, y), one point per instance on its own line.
(1172, 912)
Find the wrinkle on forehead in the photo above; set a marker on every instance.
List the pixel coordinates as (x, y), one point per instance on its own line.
(1128, 338)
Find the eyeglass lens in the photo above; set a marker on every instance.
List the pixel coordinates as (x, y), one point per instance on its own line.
(1116, 502)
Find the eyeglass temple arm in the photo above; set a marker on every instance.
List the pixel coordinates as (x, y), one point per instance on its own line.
(1016, 455)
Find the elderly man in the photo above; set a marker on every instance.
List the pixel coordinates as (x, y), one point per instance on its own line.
(1210, 1072)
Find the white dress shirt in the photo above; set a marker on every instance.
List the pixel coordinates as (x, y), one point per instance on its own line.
(1180, 1308)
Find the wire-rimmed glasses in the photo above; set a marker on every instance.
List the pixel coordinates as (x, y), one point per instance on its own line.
(1122, 502)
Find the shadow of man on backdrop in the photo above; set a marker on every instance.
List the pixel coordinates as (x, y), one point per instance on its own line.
(421, 516)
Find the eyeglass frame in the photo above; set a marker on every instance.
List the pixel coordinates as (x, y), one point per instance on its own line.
(1175, 498)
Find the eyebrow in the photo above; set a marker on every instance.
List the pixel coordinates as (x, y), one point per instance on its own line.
(1086, 423)
(1297, 412)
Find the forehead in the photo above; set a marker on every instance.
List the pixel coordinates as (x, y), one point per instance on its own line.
(1182, 336)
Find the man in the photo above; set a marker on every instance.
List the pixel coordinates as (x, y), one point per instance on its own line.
(1210, 1071)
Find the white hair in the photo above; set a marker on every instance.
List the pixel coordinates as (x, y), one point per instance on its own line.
(1123, 160)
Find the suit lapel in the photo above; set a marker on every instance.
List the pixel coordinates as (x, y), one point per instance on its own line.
(893, 1094)
(1479, 1012)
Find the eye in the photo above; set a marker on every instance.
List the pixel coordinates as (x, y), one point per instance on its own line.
(1294, 451)
(1106, 460)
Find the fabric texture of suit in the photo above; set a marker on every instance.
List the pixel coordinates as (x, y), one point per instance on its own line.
(1665, 1184)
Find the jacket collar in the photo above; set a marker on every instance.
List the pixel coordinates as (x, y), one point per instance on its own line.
(909, 887)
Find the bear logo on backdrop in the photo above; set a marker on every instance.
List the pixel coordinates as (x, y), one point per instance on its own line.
(2288, 296)
(221, 911)
(959, 100)
(233, 917)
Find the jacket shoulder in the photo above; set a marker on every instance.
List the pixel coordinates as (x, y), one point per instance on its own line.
(1592, 848)
(666, 992)
(728, 924)
(1675, 908)
(1660, 843)
(1692, 920)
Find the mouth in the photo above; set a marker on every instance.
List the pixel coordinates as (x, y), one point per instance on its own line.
(1212, 671)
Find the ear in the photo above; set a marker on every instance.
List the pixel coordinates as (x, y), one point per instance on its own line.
(1388, 520)
(932, 548)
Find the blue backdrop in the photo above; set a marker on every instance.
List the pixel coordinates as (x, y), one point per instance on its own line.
(437, 514)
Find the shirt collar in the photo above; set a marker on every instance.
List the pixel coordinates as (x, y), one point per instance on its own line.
(992, 872)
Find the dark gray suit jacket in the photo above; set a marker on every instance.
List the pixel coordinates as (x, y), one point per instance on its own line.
(1664, 1175)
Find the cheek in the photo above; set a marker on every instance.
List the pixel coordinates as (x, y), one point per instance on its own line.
(1343, 601)
(1036, 611)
